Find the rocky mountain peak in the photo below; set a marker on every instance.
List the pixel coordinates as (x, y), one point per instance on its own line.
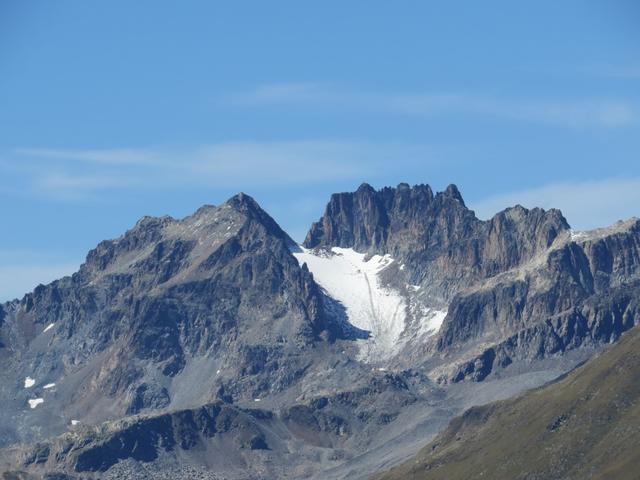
(246, 205)
(363, 219)
(381, 221)
(220, 286)
(181, 243)
(243, 202)
(440, 241)
(365, 188)
(452, 192)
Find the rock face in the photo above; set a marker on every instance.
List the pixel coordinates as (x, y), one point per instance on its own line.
(147, 438)
(439, 240)
(152, 358)
(582, 292)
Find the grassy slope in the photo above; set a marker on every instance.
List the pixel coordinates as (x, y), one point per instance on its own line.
(586, 426)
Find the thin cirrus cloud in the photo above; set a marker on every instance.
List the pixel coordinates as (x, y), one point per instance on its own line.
(586, 205)
(74, 173)
(567, 113)
(621, 72)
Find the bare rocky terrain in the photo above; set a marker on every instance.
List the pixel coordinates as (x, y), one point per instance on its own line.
(215, 347)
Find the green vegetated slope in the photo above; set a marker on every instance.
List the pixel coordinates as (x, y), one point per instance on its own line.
(586, 426)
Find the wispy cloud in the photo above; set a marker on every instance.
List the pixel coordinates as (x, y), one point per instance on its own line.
(574, 113)
(586, 205)
(622, 72)
(140, 157)
(72, 174)
(283, 92)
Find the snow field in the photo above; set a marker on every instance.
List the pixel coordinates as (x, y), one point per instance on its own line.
(354, 282)
(34, 402)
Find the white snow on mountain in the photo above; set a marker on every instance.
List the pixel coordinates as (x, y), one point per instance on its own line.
(577, 235)
(431, 321)
(49, 327)
(350, 278)
(29, 382)
(34, 402)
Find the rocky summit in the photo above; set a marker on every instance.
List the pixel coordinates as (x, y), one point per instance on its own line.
(215, 347)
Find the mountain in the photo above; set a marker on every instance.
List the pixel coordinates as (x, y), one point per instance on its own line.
(586, 425)
(214, 346)
(519, 287)
(434, 236)
(169, 315)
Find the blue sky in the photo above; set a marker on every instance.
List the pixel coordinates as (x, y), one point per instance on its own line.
(114, 110)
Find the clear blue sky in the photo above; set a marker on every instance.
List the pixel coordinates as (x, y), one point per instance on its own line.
(110, 110)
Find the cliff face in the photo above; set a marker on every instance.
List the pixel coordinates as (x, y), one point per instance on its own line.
(439, 240)
(581, 292)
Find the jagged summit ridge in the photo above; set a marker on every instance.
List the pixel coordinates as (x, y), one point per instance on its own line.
(368, 219)
(436, 236)
(185, 243)
(246, 204)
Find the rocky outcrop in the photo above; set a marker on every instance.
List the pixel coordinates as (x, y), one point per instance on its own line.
(146, 438)
(212, 432)
(439, 240)
(582, 292)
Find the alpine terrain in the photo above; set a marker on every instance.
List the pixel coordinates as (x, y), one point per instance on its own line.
(214, 346)
(588, 426)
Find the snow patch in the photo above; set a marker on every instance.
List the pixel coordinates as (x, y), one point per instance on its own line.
(577, 235)
(353, 280)
(75, 422)
(29, 382)
(49, 327)
(34, 402)
(432, 321)
(426, 320)
(49, 385)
